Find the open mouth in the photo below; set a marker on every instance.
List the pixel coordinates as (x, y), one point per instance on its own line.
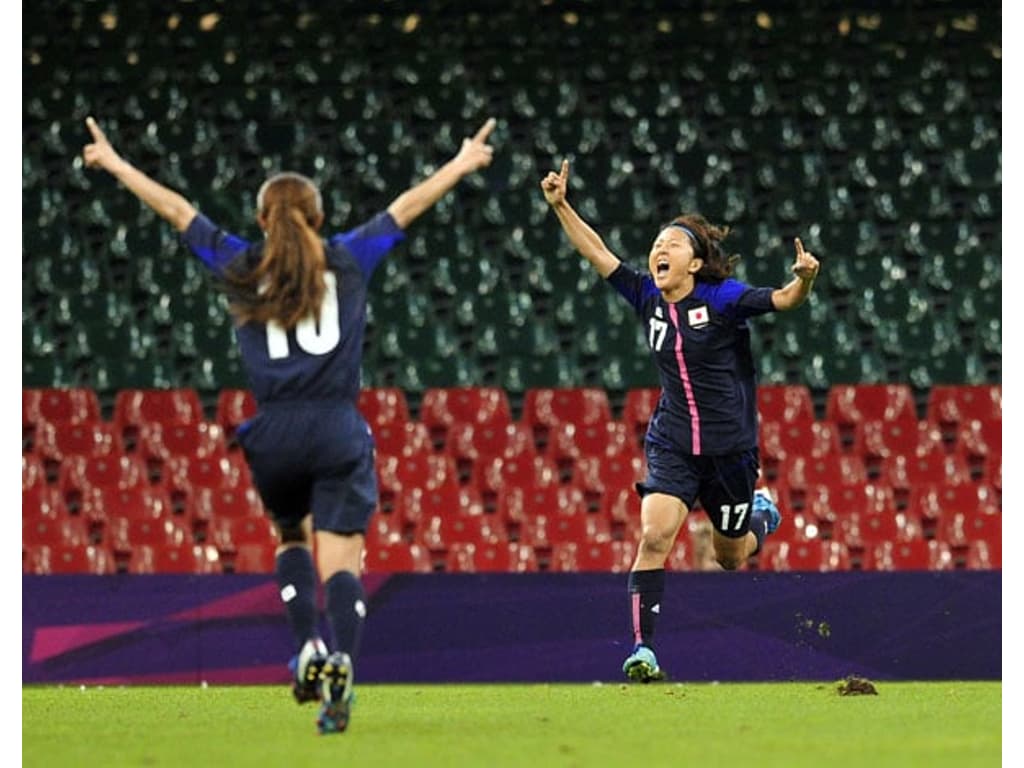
(661, 268)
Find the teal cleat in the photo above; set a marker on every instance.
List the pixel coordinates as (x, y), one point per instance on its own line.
(763, 505)
(336, 696)
(306, 668)
(642, 666)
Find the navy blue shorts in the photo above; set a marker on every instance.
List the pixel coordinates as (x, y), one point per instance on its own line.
(724, 484)
(313, 458)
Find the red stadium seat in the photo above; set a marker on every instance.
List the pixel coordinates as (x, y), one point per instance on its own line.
(72, 559)
(234, 407)
(446, 499)
(158, 443)
(803, 556)
(184, 476)
(932, 501)
(438, 532)
(569, 442)
(101, 504)
(253, 557)
(876, 439)
(858, 532)
(802, 473)
(57, 441)
(42, 501)
(397, 558)
(498, 474)
(848, 405)
(601, 479)
(441, 409)
(230, 535)
(950, 406)
(785, 403)
(780, 441)
(918, 555)
(409, 438)
(78, 474)
(545, 408)
(904, 473)
(187, 558)
(383, 531)
(607, 557)
(980, 441)
(984, 556)
(209, 504)
(32, 471)
(136, 407)
(830, 503)
(383, 405)
(959, 529)
(125, 533)
(638, 408)
(499, 557)
(59, 406)
(51, 531)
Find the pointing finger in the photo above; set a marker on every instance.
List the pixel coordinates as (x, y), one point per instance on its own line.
(564, 173)
(799, 247)
(94, 129)
(485, 131)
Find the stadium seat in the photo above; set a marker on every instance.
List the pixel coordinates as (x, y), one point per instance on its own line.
(904, 473)
(439, 532)
(60, 405)
(135, 407)
(959, 529)
(569, 443)
(234, 407)
(383, 405)
(978, 440)
(125, 532)
(498, 557)
(984, 556)
(41, 501)
(875, 440)
(602, 479)
(803, 472)
(100, 504)
(441, 409)
(495, 476)
(918, 555)
(583, 556)
(638, 408)
(230, 535)
(252, 557)
(186, 558)
(949, 406)
(471, 444)
(78, 474)
(57, 441)
(786, 403)
(70, 559)
(404, 439)
(850, 404)
(545, 408)
(447, 498)
(783, 440)
(159, 442)
(931, 502)
(397, 558)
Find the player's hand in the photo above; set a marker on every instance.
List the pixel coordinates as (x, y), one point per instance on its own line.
(554, 184)
(806, 266)
(476, 153)
(99, 154)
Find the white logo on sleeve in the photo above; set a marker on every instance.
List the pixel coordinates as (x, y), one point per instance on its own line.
(360, 609)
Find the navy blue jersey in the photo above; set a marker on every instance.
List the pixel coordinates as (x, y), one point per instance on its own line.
(701, 345)
(320, 359)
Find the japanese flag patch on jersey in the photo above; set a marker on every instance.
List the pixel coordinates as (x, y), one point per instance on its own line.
(698, 317)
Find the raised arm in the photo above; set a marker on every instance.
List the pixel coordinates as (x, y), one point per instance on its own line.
(582, 236)
(166, 202)
(796, 291)
(475, 153)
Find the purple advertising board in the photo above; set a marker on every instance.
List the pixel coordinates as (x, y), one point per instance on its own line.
(541, 627)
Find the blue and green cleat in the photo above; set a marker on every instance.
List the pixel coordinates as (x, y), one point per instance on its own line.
(764, 506)
(642, 666)
(305, 669)
(336, 696)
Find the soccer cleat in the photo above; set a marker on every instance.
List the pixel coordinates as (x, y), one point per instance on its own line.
(336, 694)
(764, 505)
(306, 669)
(642, 666)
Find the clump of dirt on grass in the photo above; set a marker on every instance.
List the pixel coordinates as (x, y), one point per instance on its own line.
(852, 685)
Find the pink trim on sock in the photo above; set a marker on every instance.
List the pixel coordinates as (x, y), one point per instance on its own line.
(684, 374)
(637, 635)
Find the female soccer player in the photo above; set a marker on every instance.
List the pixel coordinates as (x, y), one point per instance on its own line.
(702, 439)
(299, 304)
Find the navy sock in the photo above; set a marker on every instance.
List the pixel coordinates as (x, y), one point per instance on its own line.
(346, 610)
(645, 591)
(759, 527)
(296, 580)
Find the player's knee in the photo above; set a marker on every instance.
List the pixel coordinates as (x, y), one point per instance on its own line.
(728, 560)
(656, 540)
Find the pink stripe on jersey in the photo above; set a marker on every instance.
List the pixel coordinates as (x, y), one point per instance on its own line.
(684, 374)
(637, 634)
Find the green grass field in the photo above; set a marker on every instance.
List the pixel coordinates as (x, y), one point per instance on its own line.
(794, 724)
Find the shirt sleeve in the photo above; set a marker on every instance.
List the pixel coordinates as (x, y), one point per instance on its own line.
(738, 299)
(214, 247)
(369, 242)
(631, 285)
